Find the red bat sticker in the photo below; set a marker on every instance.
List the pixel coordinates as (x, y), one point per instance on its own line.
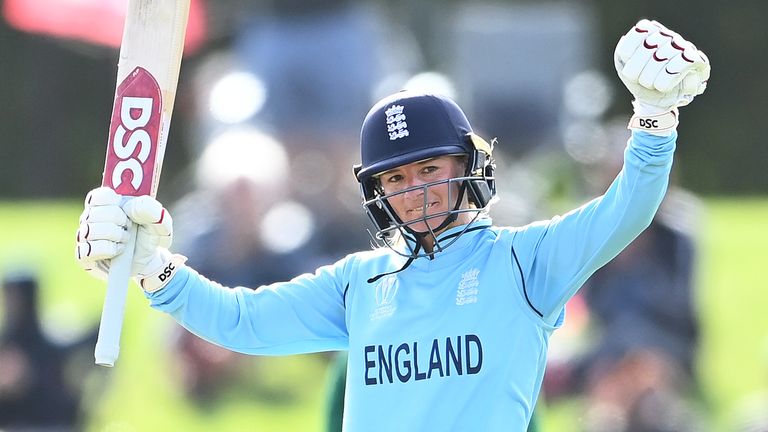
(134, 134)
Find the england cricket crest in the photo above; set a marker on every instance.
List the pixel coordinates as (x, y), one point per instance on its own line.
(467, 291)
(386, 291)
(396, 125)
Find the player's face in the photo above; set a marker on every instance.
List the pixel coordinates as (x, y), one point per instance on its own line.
(414, 207)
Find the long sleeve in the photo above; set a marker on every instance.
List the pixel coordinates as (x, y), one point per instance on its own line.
(306, 314)
(557, 256)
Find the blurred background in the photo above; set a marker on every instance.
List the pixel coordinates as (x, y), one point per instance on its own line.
(672, 335)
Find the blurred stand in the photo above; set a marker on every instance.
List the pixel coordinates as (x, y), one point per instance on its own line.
(510, 64)
(79, 40)
(319, 61)
(306, 73)
(41, 381)
(240, 228)
(279, 99)
(632, 333)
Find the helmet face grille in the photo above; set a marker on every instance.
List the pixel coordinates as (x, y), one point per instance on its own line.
(389, 225)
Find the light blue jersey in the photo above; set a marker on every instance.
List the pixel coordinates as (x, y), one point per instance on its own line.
(457, 342)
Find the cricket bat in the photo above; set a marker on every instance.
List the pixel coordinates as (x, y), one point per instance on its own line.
(147, 75)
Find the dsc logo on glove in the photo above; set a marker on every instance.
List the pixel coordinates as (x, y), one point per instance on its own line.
(167, 272)
(649, 123)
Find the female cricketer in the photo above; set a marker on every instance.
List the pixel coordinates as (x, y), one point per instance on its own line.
(447, 324)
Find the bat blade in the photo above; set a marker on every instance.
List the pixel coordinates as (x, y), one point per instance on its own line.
(147, 76)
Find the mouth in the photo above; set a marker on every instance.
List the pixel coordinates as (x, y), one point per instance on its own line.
(420, 210)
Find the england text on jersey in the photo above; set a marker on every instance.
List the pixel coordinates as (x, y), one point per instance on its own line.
(388, 364)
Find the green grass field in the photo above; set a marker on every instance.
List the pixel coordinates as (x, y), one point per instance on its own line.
(141, 392)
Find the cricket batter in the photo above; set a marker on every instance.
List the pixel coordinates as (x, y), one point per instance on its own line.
(447, 326)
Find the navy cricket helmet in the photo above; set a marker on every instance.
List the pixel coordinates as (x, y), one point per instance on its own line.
(411, 126)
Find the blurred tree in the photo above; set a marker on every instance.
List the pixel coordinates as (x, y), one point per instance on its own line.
(40, 385)
(48, 115)
(57, 96)
(54, 116)
(721, 150)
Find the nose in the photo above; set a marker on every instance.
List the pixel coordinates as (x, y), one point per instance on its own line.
(418, 192)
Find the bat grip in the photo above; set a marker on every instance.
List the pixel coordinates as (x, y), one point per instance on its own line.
(110, 327)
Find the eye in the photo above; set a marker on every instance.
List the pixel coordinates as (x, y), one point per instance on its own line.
(393, 178)
(429, 169)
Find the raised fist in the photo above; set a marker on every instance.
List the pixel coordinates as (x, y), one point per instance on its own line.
(660, 68)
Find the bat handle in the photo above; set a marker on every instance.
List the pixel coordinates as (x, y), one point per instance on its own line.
(110, 327)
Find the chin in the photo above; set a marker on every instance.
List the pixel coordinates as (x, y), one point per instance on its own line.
(423, 227)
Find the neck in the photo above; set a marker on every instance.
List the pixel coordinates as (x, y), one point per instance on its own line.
(427, 240)
(427, 243)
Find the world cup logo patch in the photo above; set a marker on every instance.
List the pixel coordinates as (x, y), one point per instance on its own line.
(386, 291)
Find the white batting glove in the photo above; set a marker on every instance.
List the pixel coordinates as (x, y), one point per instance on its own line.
(663, 71)
(102, 235)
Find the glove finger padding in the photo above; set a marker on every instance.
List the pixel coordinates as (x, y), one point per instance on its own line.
(659, 67)
(109, 214)
(155, 230)
(97, 269)
(102, 196)
(96, 250)
(90, 231)
(155, 222)
(101, 233)
(145, 210)
(153, 264)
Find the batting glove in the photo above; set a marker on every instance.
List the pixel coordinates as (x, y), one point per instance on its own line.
(102, 235)
(663, 71)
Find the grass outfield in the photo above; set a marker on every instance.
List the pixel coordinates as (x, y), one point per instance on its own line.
(733, 300)
(141, 393)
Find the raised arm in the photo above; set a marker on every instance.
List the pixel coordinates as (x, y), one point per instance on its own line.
(663, 71)
(305, 314)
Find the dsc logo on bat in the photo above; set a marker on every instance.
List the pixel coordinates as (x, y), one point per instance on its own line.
(134, 135)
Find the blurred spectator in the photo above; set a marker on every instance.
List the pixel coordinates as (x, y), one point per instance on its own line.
(305, 72)
(319, 62)
(637, 373)
(247, 232)
(38, 387)
(511, 85)
(280, 109)
(642, 369)
(244, 213)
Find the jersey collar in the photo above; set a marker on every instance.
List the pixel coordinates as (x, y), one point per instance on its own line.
(452, 238)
